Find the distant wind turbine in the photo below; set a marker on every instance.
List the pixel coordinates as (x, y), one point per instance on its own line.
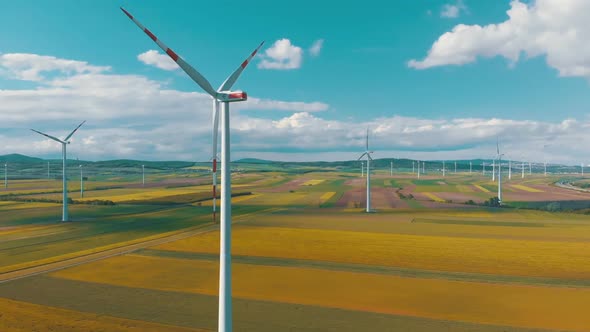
(494, 170)
(81, 182)
(522, 176)
(444, 168)
(470, 167)
(5, 175)
(64, 143)
(509, 169)
(367, 153)
(418, 169)
(423, 167)
(499, 156)
(391, 169)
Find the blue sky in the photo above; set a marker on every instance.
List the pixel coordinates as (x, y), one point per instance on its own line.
(431, 79)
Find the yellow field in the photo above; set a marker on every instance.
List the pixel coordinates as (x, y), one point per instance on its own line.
(465, 189)
(326, 196)
(481, 188)
(312, 182)
(43, 318)
(234, 200)
(514, 305)
(433, 197)
(525, 188)
(443, 253)
(26, 205)
(122, 195)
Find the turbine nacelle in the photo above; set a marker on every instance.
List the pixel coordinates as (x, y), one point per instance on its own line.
(232, 96)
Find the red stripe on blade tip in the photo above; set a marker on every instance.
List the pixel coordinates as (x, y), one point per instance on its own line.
(173, 55)
(149, 33)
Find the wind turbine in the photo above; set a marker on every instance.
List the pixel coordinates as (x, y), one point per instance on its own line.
(81, 182)
(413, 166)
(391, 169)
(418, 174)
(530, 168)
(522, 176)
(223, 96)
(493, 170)
(470, 167)
(455, 167)
(499, 172)
(509, 169)
(64, 143)
(5, 175)
(423, 167)
(483, 167)
(368, 154)
(143, 175)
(444, 168)
(362, 169)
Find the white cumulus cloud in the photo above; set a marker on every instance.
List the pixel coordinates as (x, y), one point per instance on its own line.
(453, 10)
(158, 60)
(30, 67)
(556, 29)
(282, 55)
(316, 47)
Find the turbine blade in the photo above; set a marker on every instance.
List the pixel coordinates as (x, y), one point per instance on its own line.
(231, 79)
(192, 72)
(362, 155)
(367, 140)
(49, 136)
(73, 131)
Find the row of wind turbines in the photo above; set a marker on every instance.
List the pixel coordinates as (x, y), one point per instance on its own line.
(420, 166)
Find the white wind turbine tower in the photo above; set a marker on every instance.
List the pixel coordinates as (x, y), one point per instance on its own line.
(362, 169)
(81, 182)
(509, 169)
(444, 168)
(530, 168)
(522, 176)
(418, 174)
(494, 170)
(368, 154)
(423, 167)
(222, 96)
(64, 143)
(413, 166)
(455, 167)
(470, 167)
(499, 172)
(483, 167)
(391, 169)
(5, 175)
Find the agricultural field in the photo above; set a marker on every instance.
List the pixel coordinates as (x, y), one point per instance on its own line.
(432, 257)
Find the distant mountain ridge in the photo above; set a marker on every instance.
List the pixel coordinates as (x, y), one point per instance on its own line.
(378, 162)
